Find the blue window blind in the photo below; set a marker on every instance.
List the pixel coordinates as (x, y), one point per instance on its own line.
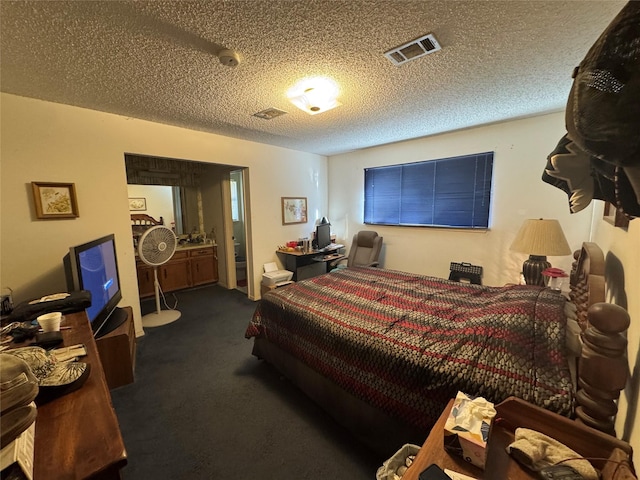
(448, 192)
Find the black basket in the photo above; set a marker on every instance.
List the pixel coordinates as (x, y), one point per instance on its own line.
(465, 271)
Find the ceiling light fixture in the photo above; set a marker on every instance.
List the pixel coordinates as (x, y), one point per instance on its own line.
(315, 95)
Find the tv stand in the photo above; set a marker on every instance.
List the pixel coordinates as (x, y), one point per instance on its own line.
(117, 318)
(117, 349)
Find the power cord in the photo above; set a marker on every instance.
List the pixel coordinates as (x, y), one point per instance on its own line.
(164, 299)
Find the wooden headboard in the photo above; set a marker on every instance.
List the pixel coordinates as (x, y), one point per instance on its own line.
(587, 279)
(141, 222)
(142, 219)
(602, 366)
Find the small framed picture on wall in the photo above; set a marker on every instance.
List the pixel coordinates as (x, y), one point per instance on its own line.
(137, 204)
(294, 210)
(54, 200)
(614, 216)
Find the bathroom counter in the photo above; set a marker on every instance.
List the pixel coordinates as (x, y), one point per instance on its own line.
(191, 246)
(190, 266)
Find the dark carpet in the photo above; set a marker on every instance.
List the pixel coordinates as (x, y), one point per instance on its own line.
(202, 407)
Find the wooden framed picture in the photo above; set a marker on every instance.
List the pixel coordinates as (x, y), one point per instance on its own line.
(614, 216)
(55, 200)
(294, 210)
(137, 204)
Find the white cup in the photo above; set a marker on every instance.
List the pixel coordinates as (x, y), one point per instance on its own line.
(50, 322)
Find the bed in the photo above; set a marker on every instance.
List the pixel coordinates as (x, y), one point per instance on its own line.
(383, 351)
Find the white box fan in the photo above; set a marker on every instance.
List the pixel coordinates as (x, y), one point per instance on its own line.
(155, 248)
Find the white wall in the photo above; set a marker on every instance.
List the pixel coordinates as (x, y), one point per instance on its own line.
(622, 276)
(521, 148)
(44, 141)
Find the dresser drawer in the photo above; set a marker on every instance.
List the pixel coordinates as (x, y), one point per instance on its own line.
(200, 252)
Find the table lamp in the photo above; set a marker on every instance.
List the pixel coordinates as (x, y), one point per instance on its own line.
(539, 238)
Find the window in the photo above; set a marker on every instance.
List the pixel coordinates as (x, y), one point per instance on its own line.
(235, 210)
(448, 192)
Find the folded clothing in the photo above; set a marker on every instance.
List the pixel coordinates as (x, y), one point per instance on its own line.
(536, 451)
(18, 384)
(69, 303)
(16, 421)
(18, 388)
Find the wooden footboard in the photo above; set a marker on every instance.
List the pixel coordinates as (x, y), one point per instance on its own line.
(374, 428)
(602, 366)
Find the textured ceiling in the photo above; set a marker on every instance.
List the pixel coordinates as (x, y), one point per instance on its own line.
(158, 61)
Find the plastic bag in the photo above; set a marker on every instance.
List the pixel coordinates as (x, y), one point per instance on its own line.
(390, 467)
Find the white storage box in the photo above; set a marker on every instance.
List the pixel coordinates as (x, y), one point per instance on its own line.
(272, 275)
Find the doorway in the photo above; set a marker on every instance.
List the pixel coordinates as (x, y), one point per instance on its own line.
(238, 216)
(199, 205)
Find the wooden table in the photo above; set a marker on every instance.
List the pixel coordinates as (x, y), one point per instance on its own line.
(513, 413)
(77, 435)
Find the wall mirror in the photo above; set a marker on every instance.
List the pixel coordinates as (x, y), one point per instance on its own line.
(171, 187)
(178, 206)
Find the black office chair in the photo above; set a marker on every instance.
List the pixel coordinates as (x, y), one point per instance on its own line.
(364, 251)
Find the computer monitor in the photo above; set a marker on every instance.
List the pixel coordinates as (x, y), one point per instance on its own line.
(323, 235)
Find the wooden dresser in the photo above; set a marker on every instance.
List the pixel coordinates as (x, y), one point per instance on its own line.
(77, 435)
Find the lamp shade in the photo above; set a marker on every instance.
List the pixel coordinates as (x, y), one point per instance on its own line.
(541, 237)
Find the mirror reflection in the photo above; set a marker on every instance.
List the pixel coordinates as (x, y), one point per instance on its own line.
(177, 206)
(168, 188)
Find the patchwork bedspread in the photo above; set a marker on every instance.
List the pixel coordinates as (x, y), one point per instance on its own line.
(407, 343)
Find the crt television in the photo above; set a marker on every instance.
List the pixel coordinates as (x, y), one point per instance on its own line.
(93, 266)
(323, 235)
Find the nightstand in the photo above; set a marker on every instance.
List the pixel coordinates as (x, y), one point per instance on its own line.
(513, 413)
(117, 351)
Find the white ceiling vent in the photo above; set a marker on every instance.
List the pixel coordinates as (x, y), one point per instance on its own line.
(269, 113)
(415, 49)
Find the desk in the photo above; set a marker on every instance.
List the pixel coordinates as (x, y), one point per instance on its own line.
(77, 435)
(309, 264)
(514, 412)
